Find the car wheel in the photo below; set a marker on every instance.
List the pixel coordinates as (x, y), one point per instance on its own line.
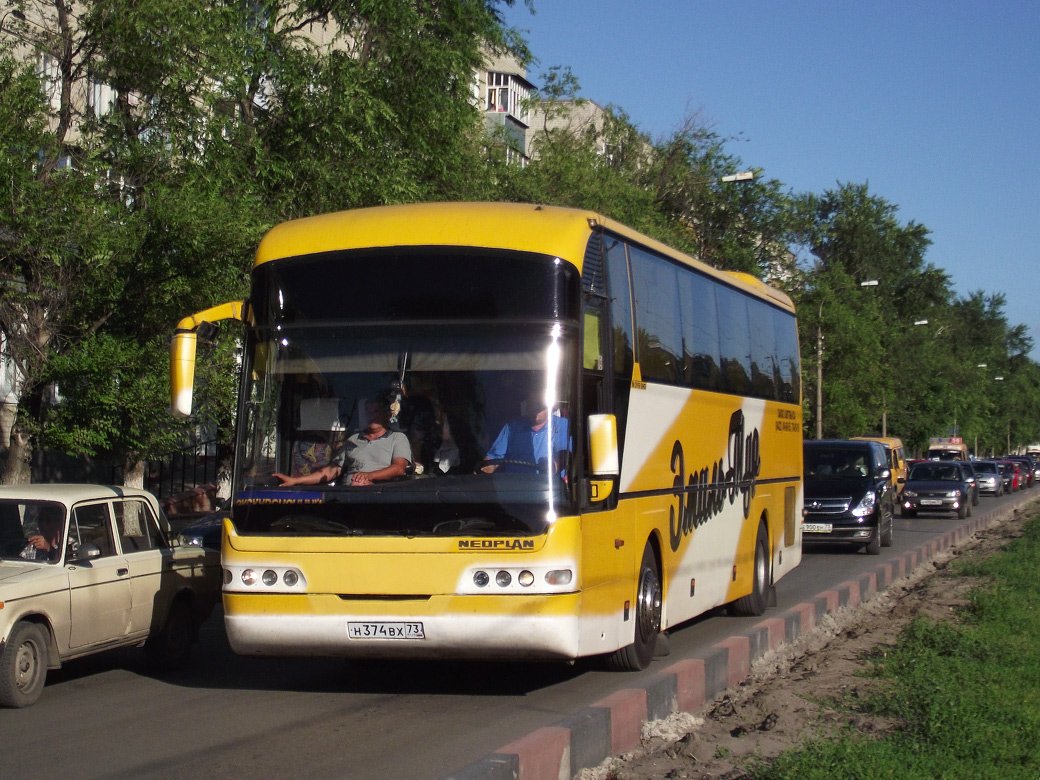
(23, 666)
(171, 647)
(754, 603)
(889, 532)
(640, 653)
(873, 547)
(963, 509)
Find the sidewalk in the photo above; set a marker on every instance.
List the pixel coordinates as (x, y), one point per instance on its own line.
(614, 725)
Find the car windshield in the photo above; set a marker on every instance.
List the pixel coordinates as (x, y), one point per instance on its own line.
(985, 468)
(836, 464)
(938, 472)
(31, 530)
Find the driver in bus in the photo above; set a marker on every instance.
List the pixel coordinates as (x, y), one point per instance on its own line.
(520, 440)
(374, 454)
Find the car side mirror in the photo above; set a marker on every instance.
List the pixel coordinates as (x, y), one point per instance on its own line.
(83, 552)
(885, 474)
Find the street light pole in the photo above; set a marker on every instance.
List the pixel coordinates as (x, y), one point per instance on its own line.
(819, 374)
(819, 357)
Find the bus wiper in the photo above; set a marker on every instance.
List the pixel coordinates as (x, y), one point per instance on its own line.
(314, 525)
(465, 525)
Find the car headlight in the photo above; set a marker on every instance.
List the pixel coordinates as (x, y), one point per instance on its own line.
(865, 506)
(909, 494)
(953, 494)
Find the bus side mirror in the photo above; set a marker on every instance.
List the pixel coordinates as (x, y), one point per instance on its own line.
(182, 351)
(182, 373)
(603, 446)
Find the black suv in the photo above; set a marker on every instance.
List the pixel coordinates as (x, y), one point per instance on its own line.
(848, 494)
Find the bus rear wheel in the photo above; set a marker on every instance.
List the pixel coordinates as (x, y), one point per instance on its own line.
(755, 602)
(640, 653)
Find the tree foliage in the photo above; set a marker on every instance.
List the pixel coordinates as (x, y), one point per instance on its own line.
(144, 203)
(903, 354)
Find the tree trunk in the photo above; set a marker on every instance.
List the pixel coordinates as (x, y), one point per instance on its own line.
(223, 478)
(133, 473)
(19, 455)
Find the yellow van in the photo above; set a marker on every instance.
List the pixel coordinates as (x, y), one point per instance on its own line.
(948, 448)
(896, 459)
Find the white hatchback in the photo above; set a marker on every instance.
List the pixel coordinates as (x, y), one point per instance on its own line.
(85, 568)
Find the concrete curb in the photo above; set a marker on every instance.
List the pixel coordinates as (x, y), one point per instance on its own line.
(613, 725)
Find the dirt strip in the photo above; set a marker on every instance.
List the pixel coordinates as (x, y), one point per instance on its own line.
(784, 701)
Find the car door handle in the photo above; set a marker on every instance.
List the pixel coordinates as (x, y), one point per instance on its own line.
(122, 572)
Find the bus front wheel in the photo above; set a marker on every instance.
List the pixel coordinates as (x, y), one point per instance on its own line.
(640, 653)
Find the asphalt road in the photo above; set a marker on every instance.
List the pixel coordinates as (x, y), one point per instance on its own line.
(108, 716)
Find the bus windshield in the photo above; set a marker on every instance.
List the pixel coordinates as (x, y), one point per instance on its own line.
(456, 387)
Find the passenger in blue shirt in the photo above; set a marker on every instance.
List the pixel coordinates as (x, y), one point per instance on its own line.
(525, 441)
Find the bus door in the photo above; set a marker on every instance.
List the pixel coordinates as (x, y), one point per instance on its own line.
(611, 553)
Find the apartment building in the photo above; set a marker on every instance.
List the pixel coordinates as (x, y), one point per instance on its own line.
(502, 90)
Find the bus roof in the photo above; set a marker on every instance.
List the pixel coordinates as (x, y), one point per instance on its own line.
(549, 230)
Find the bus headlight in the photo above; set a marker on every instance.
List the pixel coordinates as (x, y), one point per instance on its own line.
(529, 580)
(558, 577)
(273, 580)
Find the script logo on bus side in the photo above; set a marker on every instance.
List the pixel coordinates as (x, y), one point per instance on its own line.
(708, 489)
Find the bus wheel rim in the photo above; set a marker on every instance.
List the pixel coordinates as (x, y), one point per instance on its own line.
(648, 610)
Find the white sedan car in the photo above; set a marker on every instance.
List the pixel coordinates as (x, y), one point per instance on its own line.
(85, 568)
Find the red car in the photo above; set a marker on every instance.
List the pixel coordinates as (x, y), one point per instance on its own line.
(1026, 465)
(1015, 478)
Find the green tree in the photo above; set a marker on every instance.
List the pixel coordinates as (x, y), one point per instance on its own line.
(228, 118)
(55, 249)
(855, 237)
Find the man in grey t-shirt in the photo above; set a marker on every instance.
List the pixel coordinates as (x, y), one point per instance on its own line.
(375, 454)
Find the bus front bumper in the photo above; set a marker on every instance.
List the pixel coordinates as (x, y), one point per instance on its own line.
(537, 627)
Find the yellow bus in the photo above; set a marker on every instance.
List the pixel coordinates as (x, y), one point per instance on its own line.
(667, 482)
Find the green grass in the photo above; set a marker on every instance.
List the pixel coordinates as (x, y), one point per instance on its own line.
(967, 693)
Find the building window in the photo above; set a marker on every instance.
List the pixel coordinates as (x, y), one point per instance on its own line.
(100, 97)
(47, 68)
(506, 93)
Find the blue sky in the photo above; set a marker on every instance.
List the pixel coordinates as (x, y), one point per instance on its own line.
(935, 105)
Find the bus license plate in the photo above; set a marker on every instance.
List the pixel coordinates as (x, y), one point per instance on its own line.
(817, 528)
(385, 630)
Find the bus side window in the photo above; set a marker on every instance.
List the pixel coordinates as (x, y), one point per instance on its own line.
(700, 333)
(592, 348)
(734, 341)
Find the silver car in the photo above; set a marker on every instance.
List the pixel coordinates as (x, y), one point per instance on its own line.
(988, 477)
(85, 568)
